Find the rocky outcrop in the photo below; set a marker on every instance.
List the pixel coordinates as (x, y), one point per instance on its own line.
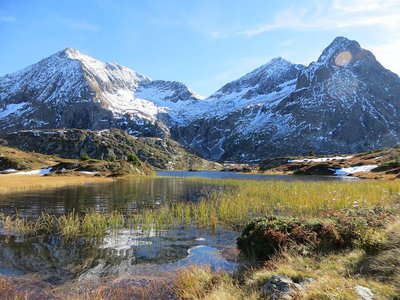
(280, 287)
(108, 145)
(364, 293)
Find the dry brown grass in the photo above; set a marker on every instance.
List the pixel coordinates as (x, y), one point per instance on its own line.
(151, 291)
(9, 290)
(25, 288)
(200, 282)
(385, 264)
(24, 183)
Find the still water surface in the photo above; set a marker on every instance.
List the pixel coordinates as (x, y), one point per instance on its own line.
(131, 194)
(57, 261)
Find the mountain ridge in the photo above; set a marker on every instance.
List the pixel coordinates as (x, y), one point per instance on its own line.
(346, 101)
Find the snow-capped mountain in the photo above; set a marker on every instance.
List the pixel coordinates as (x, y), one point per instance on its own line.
(225, 119)
(72, 90)
(344, 102)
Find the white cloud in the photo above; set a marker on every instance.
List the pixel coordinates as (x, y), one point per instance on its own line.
(379, 16)
(356, 6)
(7, 19)
(387, 53)
(331, 15)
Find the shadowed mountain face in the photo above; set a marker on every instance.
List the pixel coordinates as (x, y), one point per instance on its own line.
(344, 102)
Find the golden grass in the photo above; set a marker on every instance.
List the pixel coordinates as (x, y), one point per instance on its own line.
(385, 264)
(156, 289)
(232, 207)
(200, 282)
(10, 184)
(332, 276)
(243, 201)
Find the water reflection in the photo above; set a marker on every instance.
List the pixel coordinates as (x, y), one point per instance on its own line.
(56, 260)
(125, 194)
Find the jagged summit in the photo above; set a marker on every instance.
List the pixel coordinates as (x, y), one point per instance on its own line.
(72, 89)
(343, 51)
(261, 81)
(72, 52)
(344, 102)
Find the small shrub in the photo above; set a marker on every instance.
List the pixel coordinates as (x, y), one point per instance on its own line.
(85, 156)
(265, 237)
(371, 240)
(132, 158)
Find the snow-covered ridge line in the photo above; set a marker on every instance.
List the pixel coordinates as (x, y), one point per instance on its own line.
(279, 109)
(320, 159)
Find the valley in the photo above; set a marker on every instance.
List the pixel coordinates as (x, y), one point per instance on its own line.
(282, 184)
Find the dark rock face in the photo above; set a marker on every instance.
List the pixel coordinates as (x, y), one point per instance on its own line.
(239, 109)
(348, 101)
(344, 102)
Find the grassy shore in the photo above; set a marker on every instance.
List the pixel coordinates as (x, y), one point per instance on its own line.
(231, 207)
(334, 274)
(10, 184)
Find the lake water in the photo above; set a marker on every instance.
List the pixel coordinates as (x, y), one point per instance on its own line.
(57, 260)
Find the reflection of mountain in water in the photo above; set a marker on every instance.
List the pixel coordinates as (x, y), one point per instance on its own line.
(57, 260)
(126, 195)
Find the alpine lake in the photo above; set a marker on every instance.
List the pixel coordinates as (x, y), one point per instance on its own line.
(56, 259)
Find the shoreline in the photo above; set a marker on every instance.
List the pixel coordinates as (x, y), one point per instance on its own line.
(11, 184)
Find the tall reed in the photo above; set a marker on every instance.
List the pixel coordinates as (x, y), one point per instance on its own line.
(230, 207)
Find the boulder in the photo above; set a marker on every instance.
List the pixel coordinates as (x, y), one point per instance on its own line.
(364, 293)
(280, 287)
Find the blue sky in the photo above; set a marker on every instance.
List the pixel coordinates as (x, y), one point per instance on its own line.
(202, 43)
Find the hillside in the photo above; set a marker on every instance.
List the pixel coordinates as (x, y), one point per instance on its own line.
(379, 164)
(109, 145)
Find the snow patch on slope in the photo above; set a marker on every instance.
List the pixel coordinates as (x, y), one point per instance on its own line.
(352, 170)
(13, 109)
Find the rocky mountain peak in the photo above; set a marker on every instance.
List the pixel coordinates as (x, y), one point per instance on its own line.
(342, 52)
(262, 80)
(72, 53)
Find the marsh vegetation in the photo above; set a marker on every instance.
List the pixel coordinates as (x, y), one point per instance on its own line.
(330, 229)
